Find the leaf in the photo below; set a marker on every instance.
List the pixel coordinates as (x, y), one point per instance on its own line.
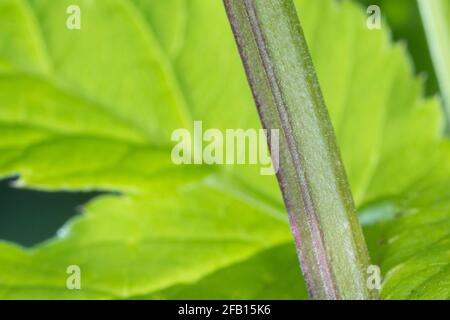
(416, 247)
(132, 245)
(93, 109)
(255, 278)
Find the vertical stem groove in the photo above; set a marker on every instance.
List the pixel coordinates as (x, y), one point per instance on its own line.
(328, 237)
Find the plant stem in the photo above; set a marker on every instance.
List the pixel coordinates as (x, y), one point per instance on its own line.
(329, 239)
(436, 21)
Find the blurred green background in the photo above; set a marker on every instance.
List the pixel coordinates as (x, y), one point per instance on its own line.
(29, 217)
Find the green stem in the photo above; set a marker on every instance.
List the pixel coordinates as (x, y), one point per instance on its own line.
(436, 20)
(329, 239)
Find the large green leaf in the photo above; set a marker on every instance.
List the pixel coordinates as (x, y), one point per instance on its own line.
(415, 247)
(93, 109)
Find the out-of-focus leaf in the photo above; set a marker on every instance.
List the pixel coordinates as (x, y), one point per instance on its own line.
(255, 278)
(132, 245)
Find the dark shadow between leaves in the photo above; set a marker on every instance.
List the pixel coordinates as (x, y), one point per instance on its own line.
(29, 217)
